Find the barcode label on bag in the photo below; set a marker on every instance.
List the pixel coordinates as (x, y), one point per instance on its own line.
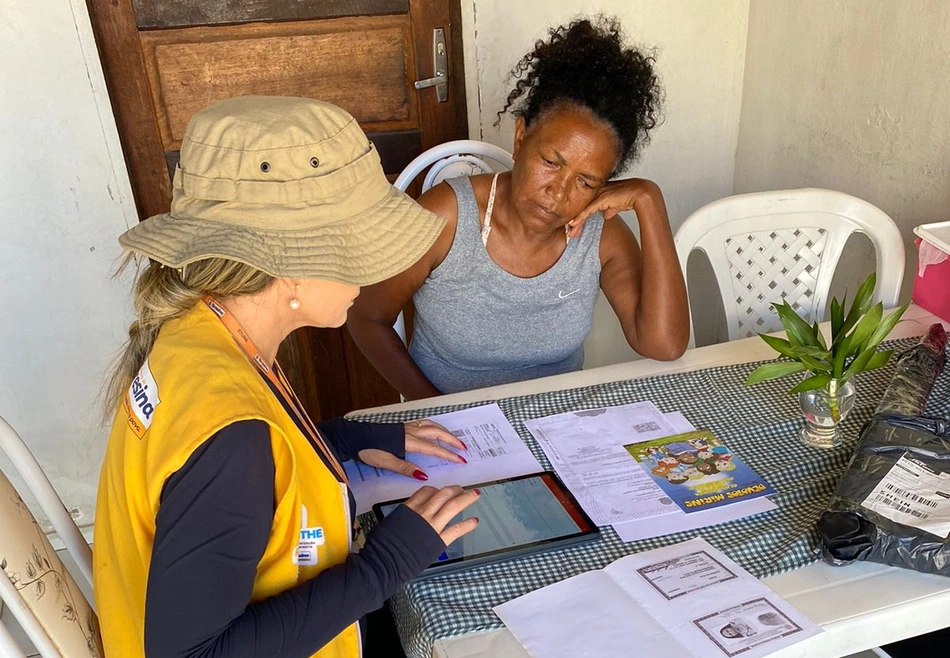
(913, 494)
(901, 506)
(900, 491)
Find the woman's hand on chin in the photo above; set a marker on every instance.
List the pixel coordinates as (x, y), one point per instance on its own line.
(615, 197)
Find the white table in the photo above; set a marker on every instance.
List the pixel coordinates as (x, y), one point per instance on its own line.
(860, 606)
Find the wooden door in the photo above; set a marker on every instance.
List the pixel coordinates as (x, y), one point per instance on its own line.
(166, 59)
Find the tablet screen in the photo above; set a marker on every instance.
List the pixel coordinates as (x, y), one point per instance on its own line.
(515, 517)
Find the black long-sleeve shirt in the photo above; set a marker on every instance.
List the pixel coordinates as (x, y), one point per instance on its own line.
(211, 530)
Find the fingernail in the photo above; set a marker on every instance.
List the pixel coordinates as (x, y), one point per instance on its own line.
(464, 461)
(476, 519)
(478, 492)
(464, 447)
(419, 475)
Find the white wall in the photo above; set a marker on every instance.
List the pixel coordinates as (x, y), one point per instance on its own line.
(851, 95)
(64, 198)
(700, 52)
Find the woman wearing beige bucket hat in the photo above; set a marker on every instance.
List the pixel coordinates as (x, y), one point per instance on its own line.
(224, 521)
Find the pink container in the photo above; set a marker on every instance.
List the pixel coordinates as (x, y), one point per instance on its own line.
(932, 282)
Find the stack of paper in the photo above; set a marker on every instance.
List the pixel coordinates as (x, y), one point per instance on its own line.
(589, 450)
(596, 453)
(495, 451)
(683, 600)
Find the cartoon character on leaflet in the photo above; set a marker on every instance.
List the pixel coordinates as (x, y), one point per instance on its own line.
(664, 465)
(682, 462)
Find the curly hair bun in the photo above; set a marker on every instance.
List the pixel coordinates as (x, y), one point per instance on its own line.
(586, 63)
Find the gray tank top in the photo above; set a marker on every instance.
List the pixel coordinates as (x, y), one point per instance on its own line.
(478, 325)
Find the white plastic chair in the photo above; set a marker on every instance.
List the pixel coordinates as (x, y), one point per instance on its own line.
(786, 243)
(42, 595)
(462, 157)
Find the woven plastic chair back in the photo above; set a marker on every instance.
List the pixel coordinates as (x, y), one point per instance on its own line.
(767, 246)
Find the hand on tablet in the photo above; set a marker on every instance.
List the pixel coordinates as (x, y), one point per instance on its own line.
(422, 436)
(439, 506)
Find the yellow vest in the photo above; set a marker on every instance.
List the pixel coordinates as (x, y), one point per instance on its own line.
(195, 382)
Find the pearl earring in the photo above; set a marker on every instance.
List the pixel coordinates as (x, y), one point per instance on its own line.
(295, 303)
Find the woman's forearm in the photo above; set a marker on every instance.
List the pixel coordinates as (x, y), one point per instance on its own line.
(662, 315)
(387, 353)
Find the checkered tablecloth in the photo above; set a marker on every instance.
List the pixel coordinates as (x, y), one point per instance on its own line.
(759, 423)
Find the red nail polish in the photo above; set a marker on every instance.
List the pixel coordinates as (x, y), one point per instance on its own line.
(476, 519)
(464, 461)
(478, 492)
(464, 447)
(419, 475)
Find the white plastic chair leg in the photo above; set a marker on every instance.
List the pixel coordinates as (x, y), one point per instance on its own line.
(26, 619)
(52, 505)
(8, 647)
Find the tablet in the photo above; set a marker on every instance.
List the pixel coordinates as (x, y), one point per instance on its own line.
(516, 517)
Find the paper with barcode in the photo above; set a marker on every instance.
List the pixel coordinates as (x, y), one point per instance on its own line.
(913, 494)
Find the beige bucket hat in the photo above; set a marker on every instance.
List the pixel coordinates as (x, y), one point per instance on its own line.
(290, 186)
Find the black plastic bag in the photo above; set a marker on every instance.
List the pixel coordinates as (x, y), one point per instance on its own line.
(850, 531)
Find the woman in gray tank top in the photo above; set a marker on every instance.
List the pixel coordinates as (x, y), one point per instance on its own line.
(508, 290)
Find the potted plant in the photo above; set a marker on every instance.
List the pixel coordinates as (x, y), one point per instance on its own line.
(826, 394)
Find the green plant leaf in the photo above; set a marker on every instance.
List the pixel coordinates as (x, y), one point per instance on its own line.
(810, 384)
(780, 345)
(839, 352)
(773, 371)
(819, 337)
(817, 366)
(837, 318)
(885, 327)
(862, 299)
(814, 358)
(798, 331)
(839, 336)
(807, 351)
(865, 328)
(879, 360)
(860, 363)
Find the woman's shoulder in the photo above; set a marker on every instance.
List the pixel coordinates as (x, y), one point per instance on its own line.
(442, 200)
(452, 191)
(481, 186)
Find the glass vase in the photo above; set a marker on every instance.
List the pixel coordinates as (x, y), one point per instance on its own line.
(824, 409)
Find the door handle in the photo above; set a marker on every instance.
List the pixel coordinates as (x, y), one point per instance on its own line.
(440, 63)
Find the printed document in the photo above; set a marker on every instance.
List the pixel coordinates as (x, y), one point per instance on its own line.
(495, 451)
(688, 599)
(678, 520)
(698, 471)
(586, 449)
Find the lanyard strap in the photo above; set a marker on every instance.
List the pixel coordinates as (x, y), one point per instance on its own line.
(276, 377)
